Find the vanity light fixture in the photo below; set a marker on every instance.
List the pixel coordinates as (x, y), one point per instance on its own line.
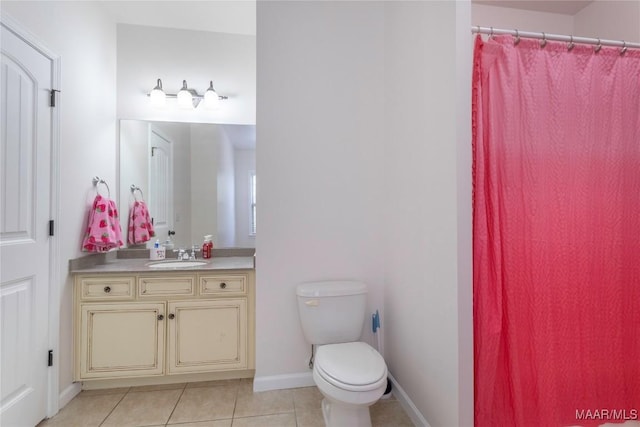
(187, 98)
(211, 97)
(157, 95)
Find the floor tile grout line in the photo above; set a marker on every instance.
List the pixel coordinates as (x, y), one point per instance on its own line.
(295, 411)
(235, 402)
(115, 406)
(176, 405)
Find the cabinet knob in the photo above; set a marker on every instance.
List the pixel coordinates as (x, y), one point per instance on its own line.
(171, 316)
(107, 289)
(223, 285)
(160, 316)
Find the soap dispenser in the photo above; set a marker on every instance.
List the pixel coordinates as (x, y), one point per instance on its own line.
(207, 246)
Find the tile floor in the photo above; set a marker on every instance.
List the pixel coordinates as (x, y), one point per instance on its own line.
(228, 403)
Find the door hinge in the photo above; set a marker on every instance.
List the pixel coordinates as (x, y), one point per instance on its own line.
(51, 227)
(53, 97)
(153, 151)
(50, 360)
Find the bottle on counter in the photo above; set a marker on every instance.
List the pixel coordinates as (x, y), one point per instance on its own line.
(207, 246)
(157, 252)
(168, 244)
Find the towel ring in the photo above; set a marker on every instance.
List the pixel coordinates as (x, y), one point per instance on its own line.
(97, 181)
(135, 188)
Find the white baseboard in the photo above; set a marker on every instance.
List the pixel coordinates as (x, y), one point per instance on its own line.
(279, 382)
(407, 404)
(68, 393)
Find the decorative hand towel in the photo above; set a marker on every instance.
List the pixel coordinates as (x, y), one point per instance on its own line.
(103, 229)
(140, 225)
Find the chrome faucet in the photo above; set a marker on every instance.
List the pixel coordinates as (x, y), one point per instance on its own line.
(182, 254)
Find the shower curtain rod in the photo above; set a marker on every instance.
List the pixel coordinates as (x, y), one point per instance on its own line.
(556, 37)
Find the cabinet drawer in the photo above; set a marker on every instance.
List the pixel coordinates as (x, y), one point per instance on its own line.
(101, 288)
(223, 285)
(166, 286)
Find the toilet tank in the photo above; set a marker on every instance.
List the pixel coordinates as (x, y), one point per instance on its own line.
(332, 312)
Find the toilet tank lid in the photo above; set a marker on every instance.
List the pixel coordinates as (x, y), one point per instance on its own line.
(331, 289)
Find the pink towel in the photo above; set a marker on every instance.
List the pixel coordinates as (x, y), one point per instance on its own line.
(103, 229)
(140, 225)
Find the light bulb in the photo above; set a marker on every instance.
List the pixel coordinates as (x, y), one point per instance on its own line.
(211, 99)
(185, 99)
(157, 95)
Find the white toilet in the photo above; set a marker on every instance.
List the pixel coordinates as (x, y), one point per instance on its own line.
(351, 375)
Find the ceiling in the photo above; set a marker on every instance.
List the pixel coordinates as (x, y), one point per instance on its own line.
(239, 16)
(235, 17)
(565, 7)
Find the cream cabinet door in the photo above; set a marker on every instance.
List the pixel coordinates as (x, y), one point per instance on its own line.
(121, 340)
(207, 335)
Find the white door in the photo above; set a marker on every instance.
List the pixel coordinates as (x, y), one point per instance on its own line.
(24, 242)
(160, 184)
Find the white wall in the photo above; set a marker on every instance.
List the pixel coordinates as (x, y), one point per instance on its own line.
(426, 328)
(525, 20)
(212, 185)
(203, 175)
(606, 19)
(616, 20)
(245, 161)
(226, 203)
(146, 54)
(85, 38)
(320, 137)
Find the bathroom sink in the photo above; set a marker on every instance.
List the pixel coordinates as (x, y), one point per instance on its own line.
(176, 264)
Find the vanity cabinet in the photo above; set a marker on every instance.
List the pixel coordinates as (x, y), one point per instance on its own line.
(207, 335)
(161, 324)
(121, 340)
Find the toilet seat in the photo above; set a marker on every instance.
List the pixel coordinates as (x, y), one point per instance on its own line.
(353, 366)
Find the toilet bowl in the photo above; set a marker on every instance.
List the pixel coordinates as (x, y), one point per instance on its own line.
(350, 374)
(351, 377)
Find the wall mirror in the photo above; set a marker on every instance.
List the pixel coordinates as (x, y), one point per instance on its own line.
(196, 179)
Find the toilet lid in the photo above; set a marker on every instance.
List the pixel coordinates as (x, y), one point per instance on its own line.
(352, 364)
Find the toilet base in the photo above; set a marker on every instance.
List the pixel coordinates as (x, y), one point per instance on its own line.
(337, 415)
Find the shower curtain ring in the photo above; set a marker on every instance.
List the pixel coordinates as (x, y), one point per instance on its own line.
(491, 33)
(517, 40)
(598, 46)
(543, 42)
(571, 45)
(624, 47)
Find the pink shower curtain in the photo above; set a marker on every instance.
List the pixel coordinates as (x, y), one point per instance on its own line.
(556, 239)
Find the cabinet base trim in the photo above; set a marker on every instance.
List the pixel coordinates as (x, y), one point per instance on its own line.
(279, 382)
(169, 379)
